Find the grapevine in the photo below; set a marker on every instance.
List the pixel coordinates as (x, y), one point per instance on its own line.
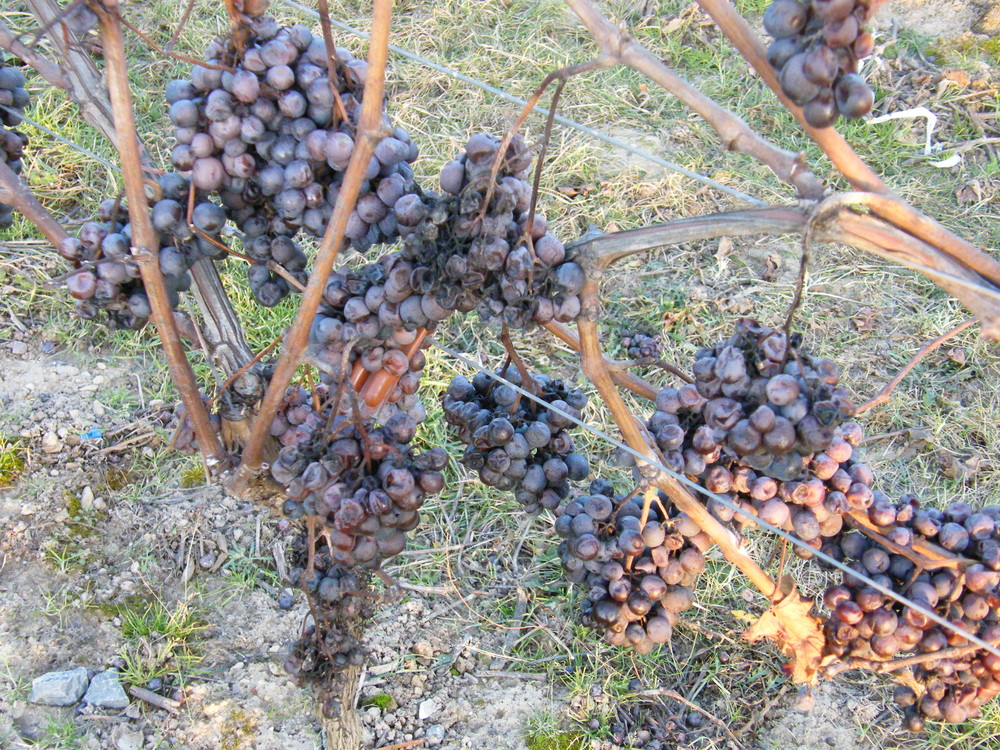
(282, 139)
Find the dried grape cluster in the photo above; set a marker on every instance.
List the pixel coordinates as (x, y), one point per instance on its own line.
(471, 248)
(359, 481)
(340, 604)
(763, 423)
(641, 345)
(109, 278)
(273, 137)
(865, 624)
(816, 48)
(515, 444)
(368, 327)
(638, 572)
(13, 96)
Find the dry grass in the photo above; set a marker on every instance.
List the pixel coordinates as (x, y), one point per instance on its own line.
(868, 315)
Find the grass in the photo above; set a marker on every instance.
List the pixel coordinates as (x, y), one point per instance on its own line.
(689, 294)
(160, 641)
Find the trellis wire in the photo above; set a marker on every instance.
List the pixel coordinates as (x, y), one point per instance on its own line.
(593, 430)
(565, 121)
(61, 139)
(725, 501)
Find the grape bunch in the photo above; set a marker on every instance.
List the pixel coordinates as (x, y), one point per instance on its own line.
(764, 424)
(638, 576)
(368, 324)
(512, 442)
(467, 253)
(360, 481)
(110, 281)
(641, 345)
(863, 623)
(270, 138)
(13, 96)
(330, 642)
(816, 48)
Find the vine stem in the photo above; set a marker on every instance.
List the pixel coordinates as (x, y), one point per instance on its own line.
(371, 129)
(144, 237)
(881, 198)
(14, 192)
(894, 665)
(619, 373)
(734, 133)
(42, 65)
(597, 372)
(884, 395)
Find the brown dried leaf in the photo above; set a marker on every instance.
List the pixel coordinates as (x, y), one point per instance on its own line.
(957, 355)
(796, 632)
(864, 319)
(963, 470)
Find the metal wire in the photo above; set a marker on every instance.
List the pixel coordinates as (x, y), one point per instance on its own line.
(61, 139)
(593, 430)
(727, 502)
(564, 121)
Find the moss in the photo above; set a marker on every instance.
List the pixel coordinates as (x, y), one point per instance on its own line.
(116, 479)
(73, 505)
(557, 741)
(12, 460)
(193, 477)
(238, 730)
(383, 701)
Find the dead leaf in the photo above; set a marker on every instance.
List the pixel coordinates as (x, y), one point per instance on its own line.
(963, 470)
(957, 355)
(797, 633)
(725, 248)
(864, 319)
(971, 192)
(960, 77)
(772, 264)
(673, 24)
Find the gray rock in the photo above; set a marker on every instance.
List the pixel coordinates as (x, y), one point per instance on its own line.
(435, 735)
(106, 691)
(17, 348)
(59, 688)
(126, 738)
(427, 709)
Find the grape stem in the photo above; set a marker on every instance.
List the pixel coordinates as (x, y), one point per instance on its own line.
(674, 695)
(144, 237)
(14, 192)
(82, 79)
(618, 371)
(876, 194)
(894, 665)
(528, 382)
(371, 129)
(42, 65)
(562, 74)
(923, 554)
(884, 395)
(596, 370)
(734, 133)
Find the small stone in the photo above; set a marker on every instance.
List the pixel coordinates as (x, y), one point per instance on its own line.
(106, 691)
(427, 709)
(100, 380)
(17, 348)
(435, 735)
(99, 504)
(126, 738)
(206, 561)
(87, 498)
(59, 688)
(423, 648)
(51, 443)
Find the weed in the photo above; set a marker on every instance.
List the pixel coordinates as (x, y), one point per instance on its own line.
(159, 641)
